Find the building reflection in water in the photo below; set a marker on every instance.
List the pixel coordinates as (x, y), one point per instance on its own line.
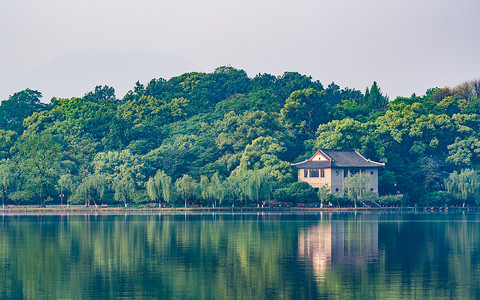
(343, 243)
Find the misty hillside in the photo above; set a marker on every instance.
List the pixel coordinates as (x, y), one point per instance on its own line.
(77, 73)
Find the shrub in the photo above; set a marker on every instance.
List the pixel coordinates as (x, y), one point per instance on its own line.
(296, 192)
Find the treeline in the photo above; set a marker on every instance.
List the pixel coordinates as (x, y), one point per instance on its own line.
(223, 138)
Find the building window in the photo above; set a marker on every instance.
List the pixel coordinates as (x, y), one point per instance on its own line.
(305, 173)
(371, 172)
(371, 189)
(336, 173)
(336, 190)
(322, 173)
(313, 173)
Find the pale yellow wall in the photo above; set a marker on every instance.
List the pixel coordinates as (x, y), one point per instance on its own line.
(335, 182)
(316, 182)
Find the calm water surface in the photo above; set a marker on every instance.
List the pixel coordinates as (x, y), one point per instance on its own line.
(241, 256)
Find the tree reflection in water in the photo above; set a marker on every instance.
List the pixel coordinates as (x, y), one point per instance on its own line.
(241, 256)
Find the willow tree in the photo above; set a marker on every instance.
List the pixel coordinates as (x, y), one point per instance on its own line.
(152, 190)
(124, 189)
(248, 185)
(464, 184)
(218, 188)
(323, 194)
(166, 182)
(186, 186)
(356, 186)
(94, 186)
(6, 177)
(65, 184)
(262, 185)
(159, 187)
(206, 189)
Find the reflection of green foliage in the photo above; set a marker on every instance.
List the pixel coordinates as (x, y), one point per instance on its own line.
(345, 256)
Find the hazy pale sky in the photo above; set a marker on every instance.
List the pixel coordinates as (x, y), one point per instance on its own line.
(406, 46)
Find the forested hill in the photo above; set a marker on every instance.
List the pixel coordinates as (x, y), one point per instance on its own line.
(225, 138)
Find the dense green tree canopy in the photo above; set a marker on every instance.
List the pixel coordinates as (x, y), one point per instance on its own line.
(224, 138)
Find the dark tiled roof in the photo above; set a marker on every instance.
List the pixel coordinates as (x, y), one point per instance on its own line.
(339, 158)
(312, 164)
(349, 158)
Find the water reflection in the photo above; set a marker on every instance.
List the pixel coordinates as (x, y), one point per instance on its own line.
(224, 256)
(341, 243)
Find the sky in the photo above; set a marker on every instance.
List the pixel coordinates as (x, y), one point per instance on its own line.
(406, 46)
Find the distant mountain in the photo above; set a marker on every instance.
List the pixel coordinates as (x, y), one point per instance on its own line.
(75, 74)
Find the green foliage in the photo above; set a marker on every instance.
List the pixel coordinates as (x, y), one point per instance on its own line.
(356, 186)
(187, 188)
(464, 185)
(37, 160)
(250, 186)
(6, 178)
(159, 187)
(304, 110)
(7, 140)
(373, 98)
(324, 194)
(94, 188)
(218, 189)
(101, 93)
(232, 136)
(296, 192)
(18, 107)
(124, 188)
(65, 185)
(262, 154)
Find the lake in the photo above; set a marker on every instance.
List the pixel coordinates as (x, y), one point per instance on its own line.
(369, 255)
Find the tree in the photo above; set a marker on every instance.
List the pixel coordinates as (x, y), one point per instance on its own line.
(159, 187)
(18, 107)
(206, 190)
(7, 140)
(152, 190)
(323, 194)
(94, 185)
(6, 177)
(290, 82)
(464, 184)
(475, 84)
(124, 188)
(65, 185)
(374, 99)
(186, 185)
(356, 186)
(101, 93)
(262, 154)
(299, 191)
(304, 110)
(166, 182)
(218, 188)
(251, 185)
(38, 160)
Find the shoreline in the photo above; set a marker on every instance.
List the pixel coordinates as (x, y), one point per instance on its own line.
(142, 210)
